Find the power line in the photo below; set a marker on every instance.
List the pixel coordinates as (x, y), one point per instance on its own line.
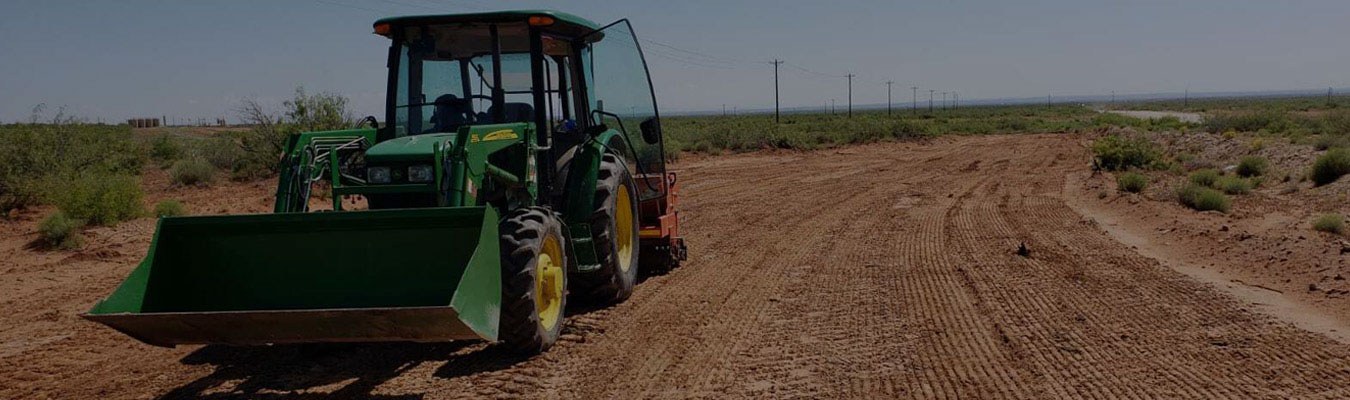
(351, 6)
(471, 4)
(699, 54)
(413, 5)
(813, 72)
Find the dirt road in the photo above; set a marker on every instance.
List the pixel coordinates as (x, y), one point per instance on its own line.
(887, 270)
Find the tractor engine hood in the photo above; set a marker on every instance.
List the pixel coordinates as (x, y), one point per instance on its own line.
(407, 148)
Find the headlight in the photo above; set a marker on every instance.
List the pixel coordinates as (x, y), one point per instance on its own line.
(420, 173)
(377, 174)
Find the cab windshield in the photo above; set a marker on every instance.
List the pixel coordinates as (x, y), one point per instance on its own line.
(447, 78)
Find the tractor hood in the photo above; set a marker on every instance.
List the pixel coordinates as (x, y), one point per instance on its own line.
(407, 148)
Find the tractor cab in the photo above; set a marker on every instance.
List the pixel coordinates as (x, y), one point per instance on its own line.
(564, 77)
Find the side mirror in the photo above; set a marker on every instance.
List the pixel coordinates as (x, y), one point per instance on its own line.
(651, 130)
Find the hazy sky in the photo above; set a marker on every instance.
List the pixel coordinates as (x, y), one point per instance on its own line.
(118, 59)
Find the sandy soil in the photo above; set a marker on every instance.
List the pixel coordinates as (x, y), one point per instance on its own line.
(887, 270)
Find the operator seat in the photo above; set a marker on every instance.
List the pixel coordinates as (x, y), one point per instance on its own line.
(451, 112)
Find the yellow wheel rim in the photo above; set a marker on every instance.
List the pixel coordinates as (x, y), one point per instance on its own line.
(548, 283)
(623, 221)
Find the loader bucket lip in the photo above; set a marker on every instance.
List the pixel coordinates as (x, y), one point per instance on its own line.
(334, 325)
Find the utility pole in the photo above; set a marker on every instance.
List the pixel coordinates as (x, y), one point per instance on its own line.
(1048, 104)
(724, 109)
(930, 100)
(775, 89)
(1328, 95)
(956, 100)
(914, 107)
(850, 95)
(888, 97)
(944, 100)
(1186, 102)
(833, 108)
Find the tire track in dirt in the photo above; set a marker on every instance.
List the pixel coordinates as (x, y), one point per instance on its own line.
(880, 271)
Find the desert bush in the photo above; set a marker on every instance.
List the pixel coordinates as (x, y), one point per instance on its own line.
(1244, 121)
(222, 152)
(1252, 166)
(192, 171)
(1205, 177)
(1330, 223)
(1256, 144)
(38, 160)
(1233, 185)
(164, 149)
(1202, 198)
(1329, 141)
(1116, 153)
(169, 208)
(262, 146)
(1331, 166)
(1132, 182)
(60, 231)
(102, 199)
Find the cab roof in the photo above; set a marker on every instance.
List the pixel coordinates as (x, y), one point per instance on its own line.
(563, 22)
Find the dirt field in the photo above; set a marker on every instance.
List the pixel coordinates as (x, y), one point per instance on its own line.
(886, 270)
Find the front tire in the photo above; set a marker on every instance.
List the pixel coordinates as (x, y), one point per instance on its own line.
(614, 226)
(534, 280)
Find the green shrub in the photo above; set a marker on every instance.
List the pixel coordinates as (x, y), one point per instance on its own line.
(169, 208)
(1203, 198)
(37, 161)
(1331, 166)
(102, 199)
(1245, 121)
(1252, 166)
(1233, 185)
(1132, 182)
(164, 149)
(1116, 153)
(222, 152)
(1205, 177)
(192, 171)
(60, 231)
(1330, 223)
(1329, 141)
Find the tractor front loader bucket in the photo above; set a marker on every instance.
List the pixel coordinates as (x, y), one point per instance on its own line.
(390, 275)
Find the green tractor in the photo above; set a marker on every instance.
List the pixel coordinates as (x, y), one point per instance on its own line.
(520, 166)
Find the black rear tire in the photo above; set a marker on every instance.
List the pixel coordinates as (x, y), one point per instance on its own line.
(524, 235)
(618, 272)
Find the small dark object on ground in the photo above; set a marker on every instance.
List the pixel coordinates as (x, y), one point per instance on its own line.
(1022, 250)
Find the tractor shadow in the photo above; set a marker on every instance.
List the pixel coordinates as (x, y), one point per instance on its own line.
(348, 370)
(339, 370)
